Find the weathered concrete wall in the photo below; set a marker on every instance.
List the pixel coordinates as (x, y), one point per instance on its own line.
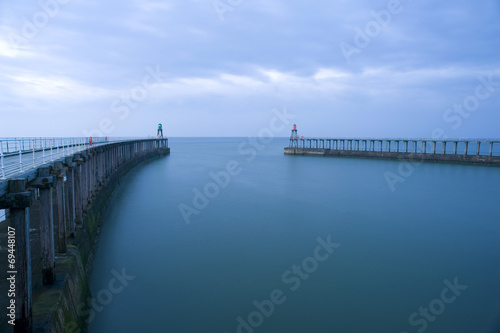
(448, 158)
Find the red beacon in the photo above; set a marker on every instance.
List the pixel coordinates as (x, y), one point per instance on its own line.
(294, 137)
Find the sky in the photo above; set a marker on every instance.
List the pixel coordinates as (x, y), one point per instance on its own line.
(340, 68)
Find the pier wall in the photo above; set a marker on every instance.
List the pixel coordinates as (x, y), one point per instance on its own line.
(56, 211)
(424, 157)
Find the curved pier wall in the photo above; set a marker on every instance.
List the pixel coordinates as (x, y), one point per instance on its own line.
(56, 211)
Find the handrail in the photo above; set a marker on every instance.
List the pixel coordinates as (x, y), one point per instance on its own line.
(21, 154)
(479, 147)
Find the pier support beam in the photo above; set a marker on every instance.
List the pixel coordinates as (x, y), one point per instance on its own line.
(78, 190)
(70, 197)
(85, 181)
(44, 183)
(18, 202)
(59, 207)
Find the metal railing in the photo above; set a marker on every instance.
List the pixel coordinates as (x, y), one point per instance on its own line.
(479, 147)
(18, 155)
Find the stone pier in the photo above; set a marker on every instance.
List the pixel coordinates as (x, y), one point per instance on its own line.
(68, 197)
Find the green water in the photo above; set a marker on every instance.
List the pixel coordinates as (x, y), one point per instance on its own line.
(253, 256)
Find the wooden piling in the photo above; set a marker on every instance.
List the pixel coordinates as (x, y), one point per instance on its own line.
(88, 193)
(18, 202)
(44, 183)
(94, 188)
(70, 198)
(59, 207)
(84, 175)
(78, 190)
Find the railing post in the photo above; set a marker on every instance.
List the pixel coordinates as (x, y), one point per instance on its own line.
(2, 166)
(478, 147)
(43, 150)
(33, 149)
(466, 147)
(20, 157)
(491, 148)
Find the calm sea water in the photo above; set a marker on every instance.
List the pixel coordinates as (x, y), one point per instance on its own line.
(422, 256)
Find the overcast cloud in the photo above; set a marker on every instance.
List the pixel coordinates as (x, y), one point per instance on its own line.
(219, 68)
